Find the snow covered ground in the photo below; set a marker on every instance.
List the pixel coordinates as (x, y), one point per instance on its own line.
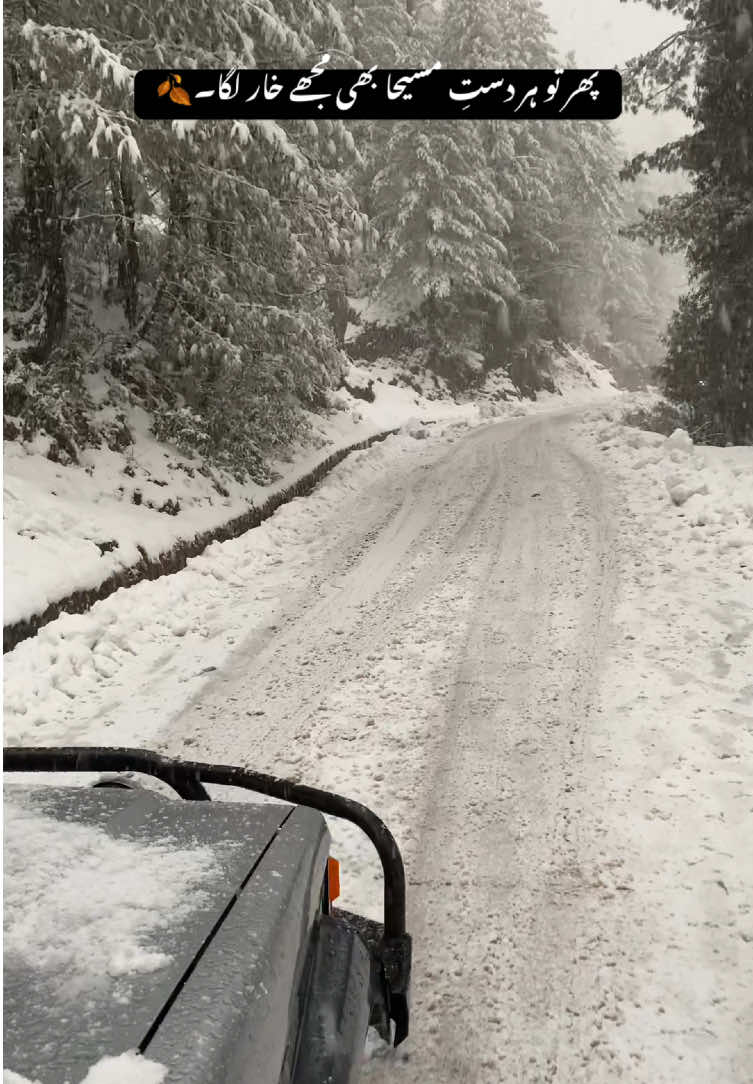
(75, 525)
(672, 799)
(527, 645)
(123, 671)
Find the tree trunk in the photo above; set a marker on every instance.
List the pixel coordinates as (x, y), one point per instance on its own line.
(337, 300)
(121, 183)
(338, 306)
(43, 200)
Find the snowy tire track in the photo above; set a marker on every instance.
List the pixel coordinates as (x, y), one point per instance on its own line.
(386, 570)
(444, 674)
(495, 906)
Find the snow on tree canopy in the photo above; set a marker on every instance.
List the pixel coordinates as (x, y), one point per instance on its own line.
(244, 238)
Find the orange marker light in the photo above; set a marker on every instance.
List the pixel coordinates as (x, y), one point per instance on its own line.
(333, 878)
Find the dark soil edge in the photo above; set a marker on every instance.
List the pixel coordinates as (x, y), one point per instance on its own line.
(175, 559)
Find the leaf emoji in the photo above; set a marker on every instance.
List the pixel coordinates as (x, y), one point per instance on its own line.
(177, 78)
(163, 88)
(179, 96)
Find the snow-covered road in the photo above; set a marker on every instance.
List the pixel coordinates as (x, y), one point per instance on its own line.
(481, 636)
(452, 644)
(496, 870)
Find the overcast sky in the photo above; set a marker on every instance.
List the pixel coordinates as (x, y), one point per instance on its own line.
(605, 34)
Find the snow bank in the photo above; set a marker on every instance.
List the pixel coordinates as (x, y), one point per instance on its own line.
(673, 739)
(704, 494)
(68, 528)
(395, 401)
(72, 683)
(573, 369)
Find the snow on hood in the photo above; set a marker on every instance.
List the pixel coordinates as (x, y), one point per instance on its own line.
(127, 1068)
(89, 906)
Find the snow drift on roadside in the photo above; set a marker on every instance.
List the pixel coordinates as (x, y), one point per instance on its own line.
(703, 494)
(73, 680)
(68, 528)
(674, 742)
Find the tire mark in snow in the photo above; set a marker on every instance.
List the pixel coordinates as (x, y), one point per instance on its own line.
(446, 680)
(289, 674)
(497, 884)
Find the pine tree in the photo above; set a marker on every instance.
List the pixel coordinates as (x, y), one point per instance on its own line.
(706, 69)
(440, 200)
(216, 239)
(383, 33)
(444, 222)
(523, 157)
(645, 295)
